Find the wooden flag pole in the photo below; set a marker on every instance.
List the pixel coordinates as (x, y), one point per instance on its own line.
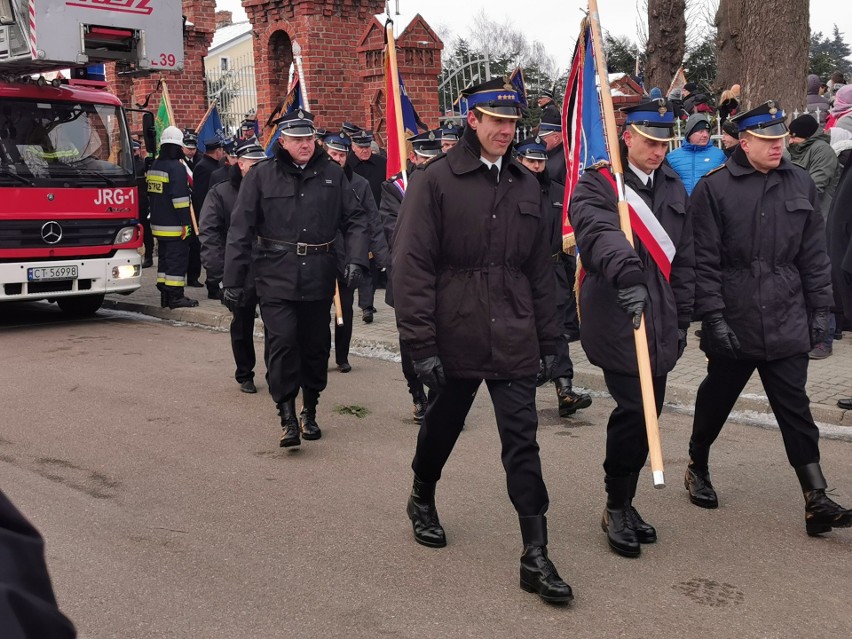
(397, 101)
(338, 307)
(652, 426)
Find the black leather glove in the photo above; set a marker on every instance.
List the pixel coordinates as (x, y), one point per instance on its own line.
(352, 274)
(819, 325)
(720, 339)
(632, 300)
(430, 371)
(545, 370)
(232, 298)
(681, 341)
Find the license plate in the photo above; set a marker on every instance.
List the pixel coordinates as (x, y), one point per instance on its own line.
(45, 273)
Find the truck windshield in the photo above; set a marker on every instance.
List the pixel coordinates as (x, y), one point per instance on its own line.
(46, 141)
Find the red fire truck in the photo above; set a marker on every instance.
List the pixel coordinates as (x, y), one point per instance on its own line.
(69, 206)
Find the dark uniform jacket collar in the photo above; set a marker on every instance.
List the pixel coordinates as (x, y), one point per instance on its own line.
(738, 164)
(285, 160)
(464, 156)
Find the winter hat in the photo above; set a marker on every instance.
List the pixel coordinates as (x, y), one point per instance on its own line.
(655, 93)
(813, 84)
(731, 129)
(842, 100)
(696, 122)
(691, 87)
(804, 126)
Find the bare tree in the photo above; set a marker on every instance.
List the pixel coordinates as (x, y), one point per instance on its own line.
(666, 41)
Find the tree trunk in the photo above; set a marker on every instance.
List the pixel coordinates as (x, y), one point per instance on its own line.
(729, 55)
(666, 41)
(763, 46)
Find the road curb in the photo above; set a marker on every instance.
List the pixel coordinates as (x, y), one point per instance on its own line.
(590, 378)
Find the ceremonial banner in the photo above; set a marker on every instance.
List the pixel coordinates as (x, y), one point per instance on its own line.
(210, 127)
(165, 117)
(291, 103)
(394, 114)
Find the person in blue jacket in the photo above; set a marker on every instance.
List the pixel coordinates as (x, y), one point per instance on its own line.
(697, 156)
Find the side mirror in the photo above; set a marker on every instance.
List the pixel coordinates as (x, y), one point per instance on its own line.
(149, 132)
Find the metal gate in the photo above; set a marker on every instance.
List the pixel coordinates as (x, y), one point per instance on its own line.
(232, 85)
(457, 75)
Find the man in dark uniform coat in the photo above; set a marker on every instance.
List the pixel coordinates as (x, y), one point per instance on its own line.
(169, 201)
(424, 147)
(532, 153)
(763, 292)
(549, 109)
(284, 224)
(839, 228)
(550, 131)
(337, 147)
(190, 148)
(621, 283)
(223, 173)
(373, 168)
(140, 168)
(28, 608)
(201, 173)
(473, 288)
(213, 233)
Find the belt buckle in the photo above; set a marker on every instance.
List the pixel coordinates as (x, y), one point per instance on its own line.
(301, 248)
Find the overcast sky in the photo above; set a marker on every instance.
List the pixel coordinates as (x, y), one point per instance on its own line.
(556, 22)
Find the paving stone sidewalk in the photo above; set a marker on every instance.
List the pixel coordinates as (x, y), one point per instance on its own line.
(828, 380)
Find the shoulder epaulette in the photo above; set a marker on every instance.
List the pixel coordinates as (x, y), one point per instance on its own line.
(598, 165)
(718, 168)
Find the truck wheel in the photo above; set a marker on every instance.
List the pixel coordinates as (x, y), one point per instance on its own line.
(80, 306)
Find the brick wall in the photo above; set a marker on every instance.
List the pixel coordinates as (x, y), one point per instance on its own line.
(187, 89)
(341, 54)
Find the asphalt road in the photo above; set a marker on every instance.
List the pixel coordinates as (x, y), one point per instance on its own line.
(170, 511)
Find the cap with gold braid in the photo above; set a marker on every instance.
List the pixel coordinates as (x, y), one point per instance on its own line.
(765, 121)
(496, 97)
(653, 119)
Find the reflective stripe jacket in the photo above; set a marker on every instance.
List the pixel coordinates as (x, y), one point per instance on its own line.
(168, 196)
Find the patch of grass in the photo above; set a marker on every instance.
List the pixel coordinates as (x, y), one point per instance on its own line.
(358, 411)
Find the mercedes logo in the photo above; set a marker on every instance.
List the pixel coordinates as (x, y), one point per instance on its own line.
(51, 232)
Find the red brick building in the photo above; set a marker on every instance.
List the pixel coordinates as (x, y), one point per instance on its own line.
(342, 54)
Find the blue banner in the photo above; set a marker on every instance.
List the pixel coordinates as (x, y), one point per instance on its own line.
(212, 128)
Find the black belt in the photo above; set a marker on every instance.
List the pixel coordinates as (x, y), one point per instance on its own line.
(301, 247)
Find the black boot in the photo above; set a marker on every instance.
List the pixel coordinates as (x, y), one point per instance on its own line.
(569, 401)
(617, 520)
(697, 479)
(290, 436)
(821, 513)
(308, 416)
(645, 532)
(424, 516)
(419, 406)
(178, 300)
(538, 574)
(164, 294)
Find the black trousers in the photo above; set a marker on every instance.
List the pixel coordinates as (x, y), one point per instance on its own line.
(367, 287)
(415, 386)
(563, 366)
(626, 437)
(572, 319)
(172, 256)
(299, 343)
(343, 334)
(784, 382)
(517, 422)
(147, 238)
(193, 268)
(242, 338)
